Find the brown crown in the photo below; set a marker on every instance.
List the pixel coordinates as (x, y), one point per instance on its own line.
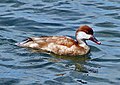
(85, 29)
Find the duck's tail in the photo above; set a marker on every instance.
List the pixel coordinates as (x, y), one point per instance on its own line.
(27, 43)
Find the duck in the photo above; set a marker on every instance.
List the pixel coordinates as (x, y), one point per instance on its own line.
(63, 45)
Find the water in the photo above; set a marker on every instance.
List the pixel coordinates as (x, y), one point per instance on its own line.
(24, 18)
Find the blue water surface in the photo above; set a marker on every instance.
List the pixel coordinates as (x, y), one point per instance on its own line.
(20, 19)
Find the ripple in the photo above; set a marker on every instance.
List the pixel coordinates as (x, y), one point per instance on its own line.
(106, 24)
(117, 17)
(85, 22)
(88, 4)
(33, 60)
(52, 82)
(49, 1)
(7, 14)
(64, 12)
(10, 21)
(8, 81)
(53, 69)
(6, 59)
(27, 67)
(7, 41)
(109, 7)
(9, 1)
(94, 49)
(91, 79)
(65, 79)
(63, 3)
(51, 24)
(109, 33)
(3, 29)
(107, 60)
(99, 3)
(17, 4)
(112, 14)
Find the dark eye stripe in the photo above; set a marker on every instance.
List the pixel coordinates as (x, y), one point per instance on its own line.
(89, 32)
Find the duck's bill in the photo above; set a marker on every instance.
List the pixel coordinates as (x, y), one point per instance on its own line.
(95, 40)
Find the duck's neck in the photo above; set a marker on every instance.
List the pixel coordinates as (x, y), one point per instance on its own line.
(82, 43)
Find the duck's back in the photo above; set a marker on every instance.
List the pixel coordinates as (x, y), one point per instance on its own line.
(56, 40)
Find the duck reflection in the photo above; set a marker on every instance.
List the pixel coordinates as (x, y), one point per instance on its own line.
(76, 63)
(73, 58)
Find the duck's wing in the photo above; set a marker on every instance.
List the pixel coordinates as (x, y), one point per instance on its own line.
(57, 40)
(39, 42)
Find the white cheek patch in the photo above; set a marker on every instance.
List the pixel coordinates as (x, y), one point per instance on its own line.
(83, 35)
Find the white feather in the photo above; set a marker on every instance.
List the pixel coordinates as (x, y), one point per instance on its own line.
(33, 45)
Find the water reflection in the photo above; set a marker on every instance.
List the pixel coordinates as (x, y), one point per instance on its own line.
(76, 63)
(73, 58)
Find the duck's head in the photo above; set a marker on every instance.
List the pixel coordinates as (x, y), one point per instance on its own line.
(86, 33)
